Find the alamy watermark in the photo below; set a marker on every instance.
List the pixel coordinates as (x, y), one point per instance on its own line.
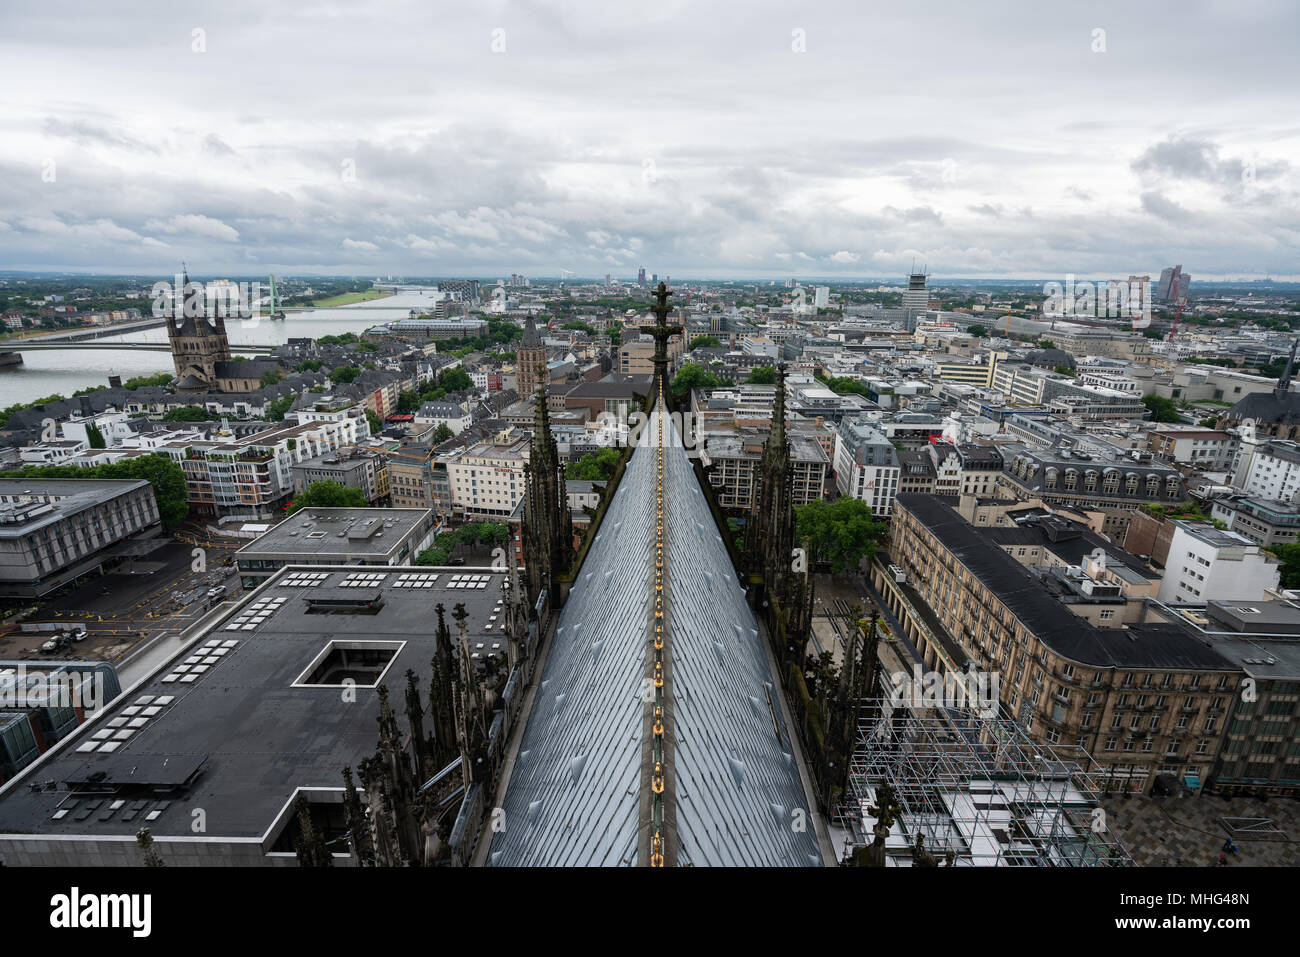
(972, 690)
(21, 689)
(1116, 299)
(194, 300)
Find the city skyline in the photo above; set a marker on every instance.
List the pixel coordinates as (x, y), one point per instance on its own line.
(506, 137)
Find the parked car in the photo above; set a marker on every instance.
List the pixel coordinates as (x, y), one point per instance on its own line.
(56, 643)
(77, 634)
(217, 591)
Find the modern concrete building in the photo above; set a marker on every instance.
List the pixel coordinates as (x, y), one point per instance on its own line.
(337, 536)
(363, 470)
(1208, 564)
(53, 531)
(265, 702)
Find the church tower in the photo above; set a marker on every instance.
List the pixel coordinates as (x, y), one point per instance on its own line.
(531, 357)
(198, 342)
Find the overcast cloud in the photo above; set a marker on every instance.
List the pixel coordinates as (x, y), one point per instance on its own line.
(692, 138)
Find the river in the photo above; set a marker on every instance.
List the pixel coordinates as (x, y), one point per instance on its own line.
(63, 371)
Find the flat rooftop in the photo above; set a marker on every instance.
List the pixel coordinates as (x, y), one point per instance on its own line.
(29, 504)
(338, 531)
(233, 723)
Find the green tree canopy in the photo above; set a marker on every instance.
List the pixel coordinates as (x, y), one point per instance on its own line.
(705, 342)
(442, 433)
(485, 534)
(1161, 409)
(842, 532)
(762, 375)
(594, 466)
(186, 413)
(693, 376)
(976, 330)
(1289, 555)
(328, 494)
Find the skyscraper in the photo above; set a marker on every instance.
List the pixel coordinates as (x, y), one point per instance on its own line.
(1173, 283)
(916, 297)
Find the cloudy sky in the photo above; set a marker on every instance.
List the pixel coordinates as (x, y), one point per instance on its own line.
(748, 138)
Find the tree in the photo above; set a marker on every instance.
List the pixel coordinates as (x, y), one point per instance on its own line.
(186, 413)
(978, 331)
(442, 433)
(594, 466)
(95, 437)
(455, 380)
(276, 409)
(144, 381)
(1289, 555)
(408, 400)
(580, 327)
(344, 374)
(271, 378)
(762, 375)
(692, 376)
(842, 532)
(1161, 409)
(328, 494)
(376, 426)
(705, 342)
(487, 534)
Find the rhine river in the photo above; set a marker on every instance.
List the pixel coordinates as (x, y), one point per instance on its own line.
(63, 371)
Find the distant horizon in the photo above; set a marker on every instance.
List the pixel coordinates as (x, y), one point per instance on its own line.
(932, 278)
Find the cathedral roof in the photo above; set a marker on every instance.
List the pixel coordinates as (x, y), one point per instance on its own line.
(576, 790)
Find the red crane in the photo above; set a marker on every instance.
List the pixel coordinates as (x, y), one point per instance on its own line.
(1178, 314)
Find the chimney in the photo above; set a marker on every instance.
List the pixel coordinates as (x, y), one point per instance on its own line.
(115, 382)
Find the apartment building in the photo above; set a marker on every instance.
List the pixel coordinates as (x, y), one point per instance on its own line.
(410, 479)
(1209, 564)
(1263, 521)
(731, 460)
(364, 470)
(489, 479)
(1089, 480)
(866, 465)
(1135, 688)
(1274, 471)
(1209, 450)
(1260, 753)
(253, 477)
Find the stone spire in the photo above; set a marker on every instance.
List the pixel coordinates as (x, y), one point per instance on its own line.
(661, 332)
(442, 694)
(362, 845)
(548, 524)
(770, 531)
(1284, 380)
(471, 723)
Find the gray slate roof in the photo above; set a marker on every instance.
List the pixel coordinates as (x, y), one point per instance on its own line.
(575, 791)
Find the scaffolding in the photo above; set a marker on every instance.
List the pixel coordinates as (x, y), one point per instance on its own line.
(977, 790)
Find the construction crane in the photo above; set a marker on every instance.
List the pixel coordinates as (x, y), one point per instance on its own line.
(1178, 314)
